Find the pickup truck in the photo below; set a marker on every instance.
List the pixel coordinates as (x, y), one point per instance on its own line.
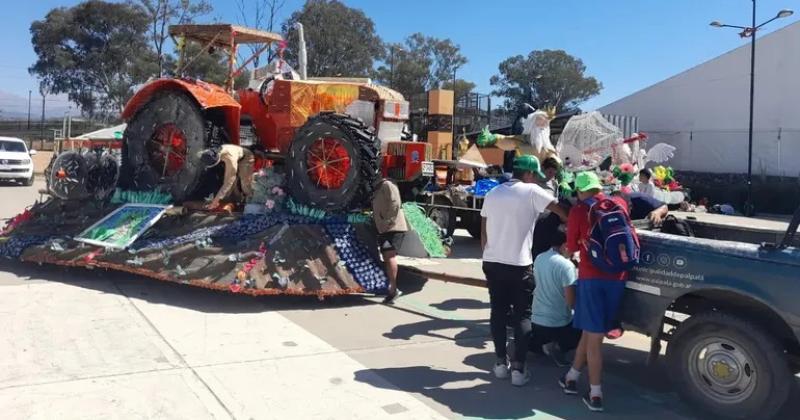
(727, 302)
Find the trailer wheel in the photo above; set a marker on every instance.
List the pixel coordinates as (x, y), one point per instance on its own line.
(334, 163)
(67, 176)
(729, 367)
(162, 145)
(102, 175)
(444, 216)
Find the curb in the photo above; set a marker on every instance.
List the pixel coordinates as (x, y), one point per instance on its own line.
(467, 281)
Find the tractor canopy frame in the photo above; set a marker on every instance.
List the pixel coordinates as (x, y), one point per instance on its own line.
(226, 37)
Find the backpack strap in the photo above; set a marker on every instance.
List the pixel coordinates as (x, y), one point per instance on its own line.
(590, 202)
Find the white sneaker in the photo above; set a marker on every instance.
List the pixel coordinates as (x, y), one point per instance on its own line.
(520, 378)
(500, 370)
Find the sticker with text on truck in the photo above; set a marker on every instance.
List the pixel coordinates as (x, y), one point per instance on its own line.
(427, 168)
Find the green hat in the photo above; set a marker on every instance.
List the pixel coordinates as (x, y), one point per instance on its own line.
(586, 181)
(528, 163)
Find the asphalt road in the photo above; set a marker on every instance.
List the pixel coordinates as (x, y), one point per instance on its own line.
(97, 344)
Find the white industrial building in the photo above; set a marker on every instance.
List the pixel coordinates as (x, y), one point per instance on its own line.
(704, 111)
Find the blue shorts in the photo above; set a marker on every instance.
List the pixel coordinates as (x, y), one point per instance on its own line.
(597, 304)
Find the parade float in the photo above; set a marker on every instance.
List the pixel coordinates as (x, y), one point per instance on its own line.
(320, 146)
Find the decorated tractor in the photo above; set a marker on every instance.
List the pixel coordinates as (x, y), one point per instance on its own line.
(330, 134)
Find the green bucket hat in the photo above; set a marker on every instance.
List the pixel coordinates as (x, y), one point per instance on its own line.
(528, 163)
(586, 181)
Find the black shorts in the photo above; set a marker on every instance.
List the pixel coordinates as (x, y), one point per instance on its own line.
(567, 337)
(390, 241)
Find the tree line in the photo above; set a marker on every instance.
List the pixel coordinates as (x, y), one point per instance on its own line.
(98, 52)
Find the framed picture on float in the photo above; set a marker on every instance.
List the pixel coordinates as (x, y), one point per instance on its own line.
(120, 228)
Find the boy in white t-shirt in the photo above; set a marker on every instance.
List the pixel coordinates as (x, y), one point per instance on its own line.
(509, 217)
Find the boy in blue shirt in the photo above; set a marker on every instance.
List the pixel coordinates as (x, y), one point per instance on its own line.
(553, 300)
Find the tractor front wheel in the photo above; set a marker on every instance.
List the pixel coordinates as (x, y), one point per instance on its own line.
(334, 163)
(162, 146)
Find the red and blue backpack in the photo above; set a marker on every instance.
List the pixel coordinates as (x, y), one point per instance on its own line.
(612, 245)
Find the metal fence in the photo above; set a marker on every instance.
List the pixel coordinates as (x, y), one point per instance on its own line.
(40, 135)
(471, 112)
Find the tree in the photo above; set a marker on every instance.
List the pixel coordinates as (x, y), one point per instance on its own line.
(259, 14)
(94, 52)
(544, 78)
(162, 13)
(462, 87)
(341, 41)
(420, 64)
(211, 67)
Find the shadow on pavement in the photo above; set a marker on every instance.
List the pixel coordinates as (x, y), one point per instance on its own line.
(479, 395)
(173, 294)
(431, 327)
(456, 304)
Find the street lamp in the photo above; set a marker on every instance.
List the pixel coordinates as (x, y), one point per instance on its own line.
(750, 31)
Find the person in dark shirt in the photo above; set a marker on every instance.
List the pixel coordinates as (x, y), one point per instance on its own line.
(644, 206)
(548, 222)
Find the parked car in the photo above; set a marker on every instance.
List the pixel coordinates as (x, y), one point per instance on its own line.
(15, 160)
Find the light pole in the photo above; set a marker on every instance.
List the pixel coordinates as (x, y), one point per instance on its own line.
(750, 31)
(391, 64)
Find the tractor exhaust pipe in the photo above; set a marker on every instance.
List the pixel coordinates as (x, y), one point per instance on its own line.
(302, 58)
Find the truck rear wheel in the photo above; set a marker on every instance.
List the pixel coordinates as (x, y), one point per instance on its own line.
(729, 367)
(334, 163)
(473, 225)
(162, 146)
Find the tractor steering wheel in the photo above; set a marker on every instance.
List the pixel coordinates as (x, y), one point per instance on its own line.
(262, 91)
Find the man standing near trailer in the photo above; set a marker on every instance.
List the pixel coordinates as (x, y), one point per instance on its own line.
(508, 219)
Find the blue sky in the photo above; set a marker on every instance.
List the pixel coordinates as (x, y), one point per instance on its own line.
(626, 44)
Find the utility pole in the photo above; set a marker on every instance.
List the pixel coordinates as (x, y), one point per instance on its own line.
(42, 122)
(391, 67)
(749, 206)
(29, 109)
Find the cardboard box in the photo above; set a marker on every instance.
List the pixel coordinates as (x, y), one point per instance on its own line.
(440, 102)
(465, 176)
(439, 139)
(492, 155)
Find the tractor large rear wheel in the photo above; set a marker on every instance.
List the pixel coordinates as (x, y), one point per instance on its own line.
(334, 163)
(162, 146)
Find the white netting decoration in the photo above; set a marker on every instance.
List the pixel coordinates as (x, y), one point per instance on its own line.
(586, 141)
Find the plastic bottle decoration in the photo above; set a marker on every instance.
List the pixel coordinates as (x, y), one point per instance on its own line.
(14, 246)
(427, 230)
(243, 275)
(140, 197)
(136, 261)
(179, 271)
(364, 269)
(235, 287)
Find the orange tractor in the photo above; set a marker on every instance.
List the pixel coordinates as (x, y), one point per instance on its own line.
(334, 136)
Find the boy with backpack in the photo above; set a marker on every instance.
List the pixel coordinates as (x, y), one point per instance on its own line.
(600, 228)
